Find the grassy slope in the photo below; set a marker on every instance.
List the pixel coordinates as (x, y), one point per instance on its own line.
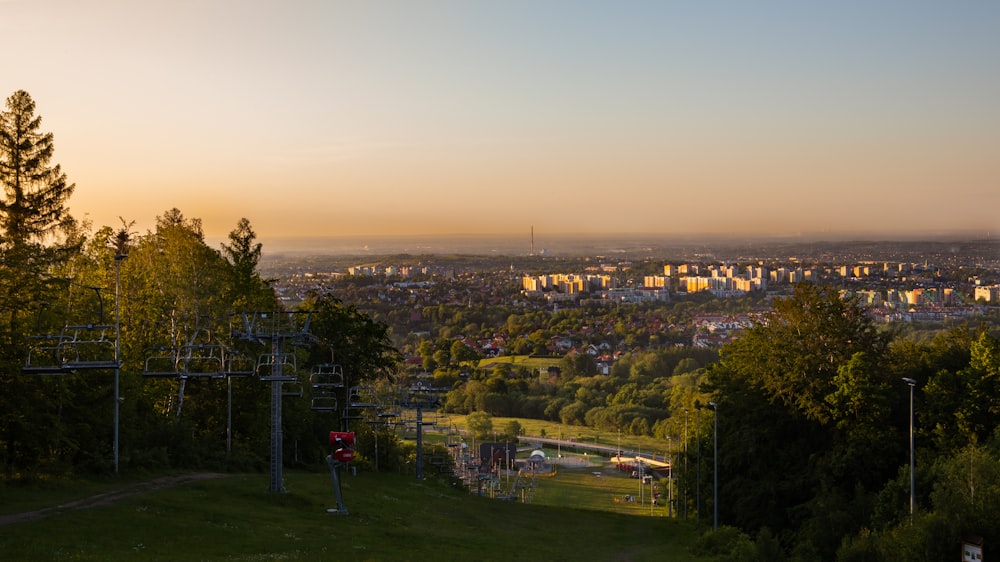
(392, 517)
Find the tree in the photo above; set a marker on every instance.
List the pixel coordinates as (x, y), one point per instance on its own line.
(512, 429)
(37, 235)
(361, 346)
(243, 254)
(480, 424)
(961, 405)
(33, 211)
(462, 353)
(803, 404)
(36, 192)
(575, 364)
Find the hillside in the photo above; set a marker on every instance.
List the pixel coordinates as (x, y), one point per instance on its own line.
(392, 517)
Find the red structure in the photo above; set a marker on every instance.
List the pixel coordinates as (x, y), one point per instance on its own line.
(343, 453)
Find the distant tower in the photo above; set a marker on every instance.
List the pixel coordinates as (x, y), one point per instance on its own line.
(532, 241)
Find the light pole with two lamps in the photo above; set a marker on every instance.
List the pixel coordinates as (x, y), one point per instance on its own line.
(912, 383)
(715, 466)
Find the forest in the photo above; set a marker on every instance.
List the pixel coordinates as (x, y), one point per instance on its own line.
(804, 420)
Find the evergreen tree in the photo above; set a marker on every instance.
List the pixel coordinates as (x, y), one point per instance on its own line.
(35, 191)
(243, 254)
(36, 234)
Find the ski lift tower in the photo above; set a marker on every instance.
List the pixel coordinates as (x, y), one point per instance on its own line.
(420, 397)
(276, 367)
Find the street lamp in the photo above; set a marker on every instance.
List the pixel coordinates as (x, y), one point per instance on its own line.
(685, 463)
(697, 484)
(118, 331)
(715, 466)
(912, 383)
(670, 479)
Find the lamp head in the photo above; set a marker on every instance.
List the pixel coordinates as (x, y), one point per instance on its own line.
(909, 381)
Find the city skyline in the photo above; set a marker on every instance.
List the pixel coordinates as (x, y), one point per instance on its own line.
(436, 118)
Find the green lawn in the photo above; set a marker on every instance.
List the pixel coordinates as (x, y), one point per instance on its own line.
(392, 517)
(598, 486)
(531, 363)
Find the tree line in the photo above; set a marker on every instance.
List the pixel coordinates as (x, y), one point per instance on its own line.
(813, 410)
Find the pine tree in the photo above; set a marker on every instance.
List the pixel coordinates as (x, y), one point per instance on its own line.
(36, 230)
(35, 192)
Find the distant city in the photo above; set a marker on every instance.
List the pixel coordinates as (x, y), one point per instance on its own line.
(639, 244)
(899, 281)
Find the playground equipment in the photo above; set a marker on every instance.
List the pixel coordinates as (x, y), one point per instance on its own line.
(343, 452)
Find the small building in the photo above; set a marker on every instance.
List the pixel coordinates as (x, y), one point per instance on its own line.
(497, 454)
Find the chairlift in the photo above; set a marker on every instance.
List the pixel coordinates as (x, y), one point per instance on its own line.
(163, 364)
(239, 364)
(362, 397)
(44, 358)
(260, 326)
(292, 389)
(276, 367)
(88, 347)
(327, 375)
(390, 410)
(201, 361)
(323, 402)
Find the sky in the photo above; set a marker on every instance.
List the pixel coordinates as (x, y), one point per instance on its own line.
(436, 117)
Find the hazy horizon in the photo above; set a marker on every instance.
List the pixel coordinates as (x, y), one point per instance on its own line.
(393, 117)
(569, 243)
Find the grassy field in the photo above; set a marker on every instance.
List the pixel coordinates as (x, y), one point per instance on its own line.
(531, 363)
(596, 486)
(392, 517)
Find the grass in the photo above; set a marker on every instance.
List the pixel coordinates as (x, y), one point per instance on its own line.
(527, 361)
(392, 517)
(596, 486)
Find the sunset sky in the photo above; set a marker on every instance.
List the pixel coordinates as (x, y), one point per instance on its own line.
(369, 117)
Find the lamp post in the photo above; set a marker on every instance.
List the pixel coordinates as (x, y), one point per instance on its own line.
(685, 463)
(912, 383)
(118, 364)
(715, 466)
(697, 484)
(670, 480)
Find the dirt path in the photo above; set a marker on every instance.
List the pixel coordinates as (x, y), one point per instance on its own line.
(107, 498)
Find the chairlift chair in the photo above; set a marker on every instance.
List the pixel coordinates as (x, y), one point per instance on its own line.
(201, 361)
(44, 358)
(285, 363)
(87, 347)
(238, 364)
(361, 396)
(163, 364)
